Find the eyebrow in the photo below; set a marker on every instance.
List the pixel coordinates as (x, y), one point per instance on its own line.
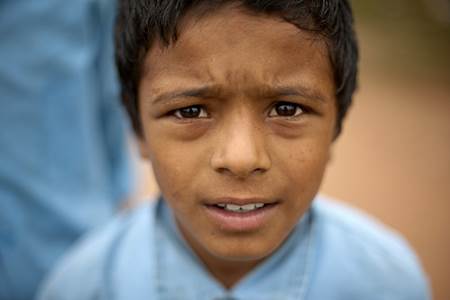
(265, 91)
(200, 92)
(296, 90)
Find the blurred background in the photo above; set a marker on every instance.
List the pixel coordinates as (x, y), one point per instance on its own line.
(393, 158)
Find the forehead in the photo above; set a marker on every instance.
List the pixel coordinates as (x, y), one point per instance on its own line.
(238, 48)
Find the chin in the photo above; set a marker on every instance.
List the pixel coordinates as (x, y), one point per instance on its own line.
(241, 251)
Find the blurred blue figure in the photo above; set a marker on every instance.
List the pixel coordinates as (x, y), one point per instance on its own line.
(64, 163)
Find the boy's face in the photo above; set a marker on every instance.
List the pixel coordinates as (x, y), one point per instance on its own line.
(240, 110)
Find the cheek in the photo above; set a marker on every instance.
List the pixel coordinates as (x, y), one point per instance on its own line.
(170, 173)
(166, 163)
(304, 174)
(175, 164)
(302, 164)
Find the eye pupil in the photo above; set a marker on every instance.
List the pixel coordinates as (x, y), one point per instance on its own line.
(190, 112)
(286, 109)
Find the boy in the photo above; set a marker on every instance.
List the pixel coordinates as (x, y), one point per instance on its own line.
(237, 105)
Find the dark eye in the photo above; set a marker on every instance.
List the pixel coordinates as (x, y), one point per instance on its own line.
(190, 112)
(285, 109)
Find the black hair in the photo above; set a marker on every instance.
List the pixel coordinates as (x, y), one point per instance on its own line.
(141, 22)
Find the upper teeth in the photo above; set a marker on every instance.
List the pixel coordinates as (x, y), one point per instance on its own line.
(241, 208)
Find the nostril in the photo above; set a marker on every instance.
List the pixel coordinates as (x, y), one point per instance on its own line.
(259, 170)
(241, 173)
(222, 170)
(242, 164)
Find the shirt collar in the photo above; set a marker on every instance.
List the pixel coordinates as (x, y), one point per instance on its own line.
(130, 269)
(284, 275)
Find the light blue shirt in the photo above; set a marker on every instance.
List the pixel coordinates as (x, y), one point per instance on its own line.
(334, 253)
(64, 163)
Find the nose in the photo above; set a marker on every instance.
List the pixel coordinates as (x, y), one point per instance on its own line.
(240, 150)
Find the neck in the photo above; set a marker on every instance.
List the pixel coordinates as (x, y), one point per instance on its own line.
(227, 271)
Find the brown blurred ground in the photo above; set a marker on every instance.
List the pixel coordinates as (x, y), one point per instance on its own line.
(393, 158)
(393, 161)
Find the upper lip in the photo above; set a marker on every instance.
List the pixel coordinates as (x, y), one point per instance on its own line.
(239, 201)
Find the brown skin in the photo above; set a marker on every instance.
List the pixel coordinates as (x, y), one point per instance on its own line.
(237, 141)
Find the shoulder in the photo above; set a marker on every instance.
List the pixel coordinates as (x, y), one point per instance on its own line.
(362, 255)
(83, 271)
(359, 228)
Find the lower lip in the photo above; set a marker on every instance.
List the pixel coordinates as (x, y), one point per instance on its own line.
(240, 222)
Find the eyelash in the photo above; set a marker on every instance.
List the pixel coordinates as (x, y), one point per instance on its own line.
(178, 112)
(299, 110)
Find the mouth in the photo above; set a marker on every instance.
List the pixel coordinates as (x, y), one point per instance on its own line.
(241, 215)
